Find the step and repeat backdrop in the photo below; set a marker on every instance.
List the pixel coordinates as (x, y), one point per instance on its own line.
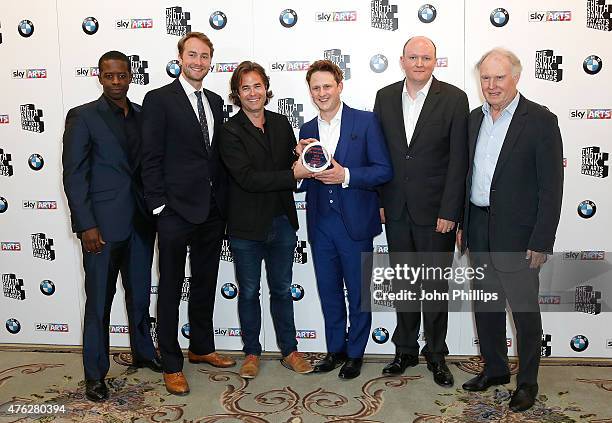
(48, 64)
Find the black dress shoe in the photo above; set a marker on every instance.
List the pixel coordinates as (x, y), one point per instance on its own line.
(441, 374)
(399, 364)
(330, 362)
(154, 364)
(351, 369)
(483, 382)
(96, 390)
(523, 398)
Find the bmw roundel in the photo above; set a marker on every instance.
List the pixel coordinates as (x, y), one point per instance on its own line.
(173, 68)
(499, 17)
(592, 64)
(185, 330)
(25, 28)
(36, 162)
(218, 20)
(380, 335)
(90, 25)
(297, 292)
(288, 18)
(47, 287)
(586, 209)
(378, 63)
(427, 13)
(579, 343)
(3, 205)
(229, 291)
(13, 326)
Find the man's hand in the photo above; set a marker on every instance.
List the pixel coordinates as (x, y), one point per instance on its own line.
(382, 215)
(444, 226)
(335, 175)
(537, 259)
(299, 171)
(303, 143)
(92, 241)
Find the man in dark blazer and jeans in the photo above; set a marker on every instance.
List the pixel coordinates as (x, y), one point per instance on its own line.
(425, 126)
(185, 186)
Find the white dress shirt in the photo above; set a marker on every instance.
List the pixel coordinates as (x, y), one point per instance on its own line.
(329, 135)
(411, 108)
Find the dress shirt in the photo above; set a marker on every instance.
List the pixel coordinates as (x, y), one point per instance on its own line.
(329, 135)
(488, 146)
(411, 108)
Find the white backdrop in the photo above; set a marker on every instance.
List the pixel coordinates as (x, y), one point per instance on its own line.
(53, 68)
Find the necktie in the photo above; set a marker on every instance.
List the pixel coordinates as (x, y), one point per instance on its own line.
(203, 123)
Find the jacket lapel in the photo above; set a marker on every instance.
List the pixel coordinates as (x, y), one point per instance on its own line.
(474, 130)
(398, 115)
(428, 108)
(516, 126)
(346, 134)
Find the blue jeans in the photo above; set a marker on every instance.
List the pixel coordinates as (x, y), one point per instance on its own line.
(277, 252)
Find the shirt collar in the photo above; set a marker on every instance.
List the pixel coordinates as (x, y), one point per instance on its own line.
(337, 118)
(116, 109)
(187, 86)
(510, 108)
(423, 91)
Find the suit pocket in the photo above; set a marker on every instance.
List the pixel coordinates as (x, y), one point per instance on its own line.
(108, 194)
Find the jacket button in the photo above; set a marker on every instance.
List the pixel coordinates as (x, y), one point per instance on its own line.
(407, 156)
(330, 191)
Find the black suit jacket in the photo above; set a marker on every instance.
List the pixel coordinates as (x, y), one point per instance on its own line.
(176, 169)
(260, 173)
(527, 185)
(428, 175)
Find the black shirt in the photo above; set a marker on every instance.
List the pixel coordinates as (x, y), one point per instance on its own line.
(130, 126)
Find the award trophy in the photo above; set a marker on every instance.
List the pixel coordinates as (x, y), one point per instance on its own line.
(315, 157)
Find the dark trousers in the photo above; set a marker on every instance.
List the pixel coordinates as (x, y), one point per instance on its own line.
(204, 239)
(132, 258)
(520, 290)
(404, 236)
(277, 252)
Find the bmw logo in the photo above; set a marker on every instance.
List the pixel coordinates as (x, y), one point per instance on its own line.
(25, 28)
(592, 64)
(297, 292)
(579, 343)
(586, 209)
(218, 20)
(13, 326)
(427, 13)
(378, 63)
(380, 335)
(288, 18)
(229, 291)
(185, 330)
(47, 287)
(173, 69)
(90, 25)
(36, 162)
(499, 17)
(3, 205)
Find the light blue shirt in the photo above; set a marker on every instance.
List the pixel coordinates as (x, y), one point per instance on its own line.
(488, 146)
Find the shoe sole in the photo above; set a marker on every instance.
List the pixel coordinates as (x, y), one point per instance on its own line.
(218, 366)
(180, 394)
(247, 376)
(484, 389)
(288, 366)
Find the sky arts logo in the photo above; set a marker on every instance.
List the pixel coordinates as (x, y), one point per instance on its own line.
(177, 21)
(579, 343)
(584, 255)
(590, 114)
(42, 247)
(441, 62)
(224, 67)
(10, 246)
(124, 329)
(342, 60)
(300, 255)
(25, 28)
(345, 16)
(550, 16)
(6, 168)
(300, 205)
(13, 326)
(499, 17)
(4, 120)
(599, 15)
(12, 287)
(31, 118)
(587, 209)
(288, 18)
(290, 66)
(293, 111)
(427, 13)
(84, 71)
(380, 335)
(381, 249)
(39, 205)
(549, 299)
(229, 291)
(297, 292)
(592, 64)
(29, 73)
(306, 334)
(90, 25)
(594, 162)
(47, 287)
(217, 20)
(138, 23)
(547, 66)
(51, 327)
(139, 73)
(382, 15)
(227, 332)
(587, 300)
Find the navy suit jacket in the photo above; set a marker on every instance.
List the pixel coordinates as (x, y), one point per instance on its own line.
(98, 178)
(363, 150)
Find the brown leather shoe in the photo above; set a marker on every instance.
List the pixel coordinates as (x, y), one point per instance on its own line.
(176, 383)
(250, 367)
(296, 362)
(214, 359)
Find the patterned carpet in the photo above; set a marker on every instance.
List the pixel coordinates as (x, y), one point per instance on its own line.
(31, 382)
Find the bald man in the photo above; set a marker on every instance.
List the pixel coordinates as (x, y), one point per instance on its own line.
(425, 125)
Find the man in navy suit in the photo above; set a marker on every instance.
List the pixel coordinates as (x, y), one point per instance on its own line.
(343, 213)
(104, 190)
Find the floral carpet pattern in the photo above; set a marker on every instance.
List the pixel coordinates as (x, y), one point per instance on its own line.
(223, 396)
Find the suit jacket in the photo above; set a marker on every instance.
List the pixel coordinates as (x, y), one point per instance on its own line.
(362, 149)
(260, 173)
(428, 175)
(176, 169)
(99, 181)
(527, 185)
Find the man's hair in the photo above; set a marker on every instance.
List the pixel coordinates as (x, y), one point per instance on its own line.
(325, 66)
(114, 55)
(517, 68)
(412, 38)
(236, 80)
(200, 36)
